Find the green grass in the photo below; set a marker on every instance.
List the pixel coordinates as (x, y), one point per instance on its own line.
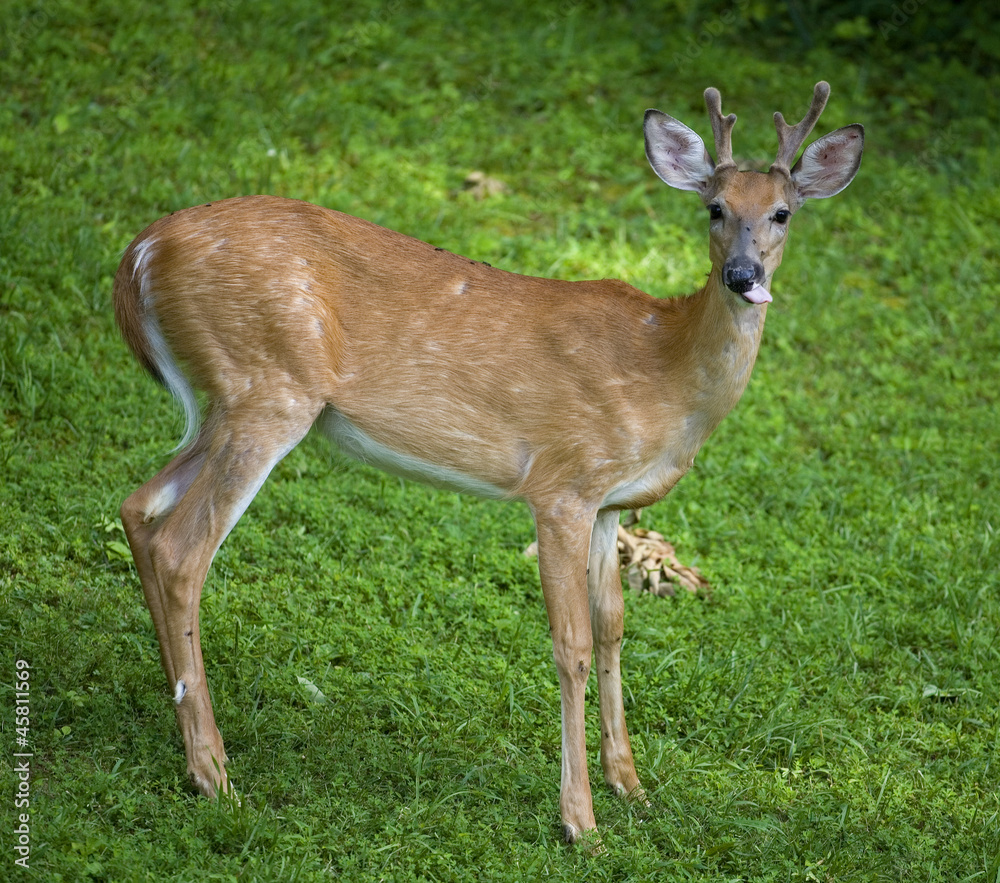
(830, 713)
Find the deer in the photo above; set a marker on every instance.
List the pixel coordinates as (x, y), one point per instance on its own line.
(578, 398)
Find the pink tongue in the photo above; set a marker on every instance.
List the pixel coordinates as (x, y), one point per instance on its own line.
(758, 295)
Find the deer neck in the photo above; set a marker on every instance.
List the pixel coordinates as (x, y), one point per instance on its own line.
(706, 355)
(723, 337)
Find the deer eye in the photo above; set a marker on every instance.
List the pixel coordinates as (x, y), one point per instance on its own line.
(715, 211)
(782, 215)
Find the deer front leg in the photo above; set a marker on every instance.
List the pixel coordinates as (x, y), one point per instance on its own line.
(607, 617)
(562, 564)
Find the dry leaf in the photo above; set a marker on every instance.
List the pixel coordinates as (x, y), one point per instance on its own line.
(481, 185)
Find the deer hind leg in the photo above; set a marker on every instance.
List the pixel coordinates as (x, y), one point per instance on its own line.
(175, 524)
(607, 617)
(562, 564)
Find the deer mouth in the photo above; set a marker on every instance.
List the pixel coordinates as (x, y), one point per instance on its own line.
(756, 294)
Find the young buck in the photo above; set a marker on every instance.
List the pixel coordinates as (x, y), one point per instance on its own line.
(579, 398)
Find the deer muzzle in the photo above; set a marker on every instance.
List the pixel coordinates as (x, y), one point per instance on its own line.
(745, 277)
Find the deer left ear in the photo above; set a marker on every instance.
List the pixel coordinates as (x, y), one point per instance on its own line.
(829, 164)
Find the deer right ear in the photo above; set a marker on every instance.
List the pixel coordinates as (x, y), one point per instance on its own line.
(676, 153)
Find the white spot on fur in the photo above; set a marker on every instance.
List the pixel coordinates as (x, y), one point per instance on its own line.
(179, 692)
(161, 504)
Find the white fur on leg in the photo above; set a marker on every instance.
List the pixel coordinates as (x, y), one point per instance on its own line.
(179, 692)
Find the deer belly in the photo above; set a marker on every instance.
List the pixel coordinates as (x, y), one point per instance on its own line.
(356, 443)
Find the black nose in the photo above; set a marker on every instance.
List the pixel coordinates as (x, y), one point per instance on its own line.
(741, 275)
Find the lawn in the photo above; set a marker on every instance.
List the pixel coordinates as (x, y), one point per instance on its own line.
(378, 651)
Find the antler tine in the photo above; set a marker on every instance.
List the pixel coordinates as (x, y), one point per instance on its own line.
(722, 128)
(791, 138)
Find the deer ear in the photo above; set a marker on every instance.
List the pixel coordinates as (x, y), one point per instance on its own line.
(829, 164)
(676, 153)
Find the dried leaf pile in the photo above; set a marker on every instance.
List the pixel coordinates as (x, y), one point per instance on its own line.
(649, 563)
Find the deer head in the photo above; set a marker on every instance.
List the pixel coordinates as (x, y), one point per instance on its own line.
(749, 211)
